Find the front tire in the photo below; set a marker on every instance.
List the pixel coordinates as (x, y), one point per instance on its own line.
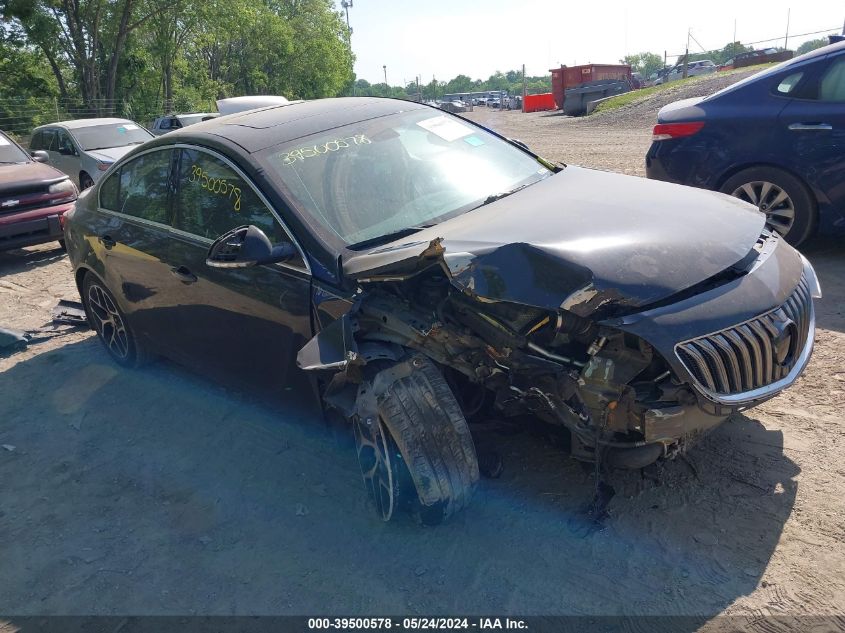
(419, 454)
(110, 324)
(85, 181)
(789, 206)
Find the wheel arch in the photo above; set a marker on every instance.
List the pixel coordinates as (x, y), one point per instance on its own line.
(818, 196)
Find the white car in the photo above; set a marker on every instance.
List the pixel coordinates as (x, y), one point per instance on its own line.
(85, 148)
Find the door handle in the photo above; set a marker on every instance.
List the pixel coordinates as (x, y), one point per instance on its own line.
(107, 241)
(184, 275)
(801, 127)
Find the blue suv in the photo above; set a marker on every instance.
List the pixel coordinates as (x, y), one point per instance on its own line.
(775, 139)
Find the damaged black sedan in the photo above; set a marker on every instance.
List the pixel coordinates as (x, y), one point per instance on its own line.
(426, 271)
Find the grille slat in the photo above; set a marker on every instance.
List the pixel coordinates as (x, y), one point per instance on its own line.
(745, 357)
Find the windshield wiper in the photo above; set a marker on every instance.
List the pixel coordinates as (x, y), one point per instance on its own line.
(504, 194)
(388, 237)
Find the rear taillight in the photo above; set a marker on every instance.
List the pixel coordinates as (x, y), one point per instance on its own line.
(665, 131)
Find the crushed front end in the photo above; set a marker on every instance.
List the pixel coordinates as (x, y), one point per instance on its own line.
(631, 385)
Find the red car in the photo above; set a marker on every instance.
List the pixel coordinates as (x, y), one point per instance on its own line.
(33, 197)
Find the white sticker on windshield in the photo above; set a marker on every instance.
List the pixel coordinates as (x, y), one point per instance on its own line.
(4, 141)
(445, 127)
(128, 126)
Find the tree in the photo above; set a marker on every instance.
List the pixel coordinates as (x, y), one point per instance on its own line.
(644, 63)
(811, 45)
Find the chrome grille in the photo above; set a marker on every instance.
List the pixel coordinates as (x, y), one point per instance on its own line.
(753, 354)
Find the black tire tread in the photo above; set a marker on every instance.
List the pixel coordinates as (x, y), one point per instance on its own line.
(432, 434)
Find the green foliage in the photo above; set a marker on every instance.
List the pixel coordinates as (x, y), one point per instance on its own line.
(510, 81)
(644, 63)
(142, 57)
(811, 45)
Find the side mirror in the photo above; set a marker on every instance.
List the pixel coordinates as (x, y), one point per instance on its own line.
(518, 143)
(244, 247)
(40, 156)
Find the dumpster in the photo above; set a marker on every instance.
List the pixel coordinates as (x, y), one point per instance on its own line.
(575, 87)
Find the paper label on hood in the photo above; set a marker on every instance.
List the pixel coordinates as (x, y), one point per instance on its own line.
(445, 127)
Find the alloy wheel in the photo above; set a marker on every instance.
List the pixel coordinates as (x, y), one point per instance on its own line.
(771, 200)
(372, 443)
(108, 322)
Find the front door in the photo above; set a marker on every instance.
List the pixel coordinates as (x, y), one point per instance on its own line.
(244, 324)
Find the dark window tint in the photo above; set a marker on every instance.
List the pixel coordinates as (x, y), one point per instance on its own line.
(143, 187)
(48, 141)
(832, 86)
(65, 143)
(37, 141)
(110, 191)
(212, 199)
(164, 124)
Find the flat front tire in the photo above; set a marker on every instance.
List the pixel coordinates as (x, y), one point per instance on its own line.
(418, 454)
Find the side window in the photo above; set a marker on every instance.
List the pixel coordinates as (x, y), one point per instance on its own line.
(37, 141)
(832, 86)
(110, 192)
(143, 187)
(788, 83)
(175, 123)
(212, 198)
(49, 141)
(164, 124)
(65, 143)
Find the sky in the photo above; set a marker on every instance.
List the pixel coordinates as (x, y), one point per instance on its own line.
(444, 38)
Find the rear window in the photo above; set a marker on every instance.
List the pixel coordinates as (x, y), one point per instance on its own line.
(832, 86)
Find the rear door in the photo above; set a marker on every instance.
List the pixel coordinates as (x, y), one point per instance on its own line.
(244, 324)
(813, 128)
(133, 239)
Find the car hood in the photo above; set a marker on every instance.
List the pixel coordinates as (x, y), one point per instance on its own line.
(110, 154)
(24, 176)
(682, 110)
(579, 240)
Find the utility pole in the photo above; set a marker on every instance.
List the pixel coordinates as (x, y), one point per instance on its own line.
(385, 74)
(786, 39)
(347, 4)
(733, 41)
(686, 55)
(523, 88)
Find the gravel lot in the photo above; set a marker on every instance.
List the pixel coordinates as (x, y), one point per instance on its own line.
(158, 492)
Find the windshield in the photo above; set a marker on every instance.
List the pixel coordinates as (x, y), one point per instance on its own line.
(11, 153)
(397, 173)
(110, 135)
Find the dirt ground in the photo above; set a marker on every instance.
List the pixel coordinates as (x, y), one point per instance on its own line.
(158, 492)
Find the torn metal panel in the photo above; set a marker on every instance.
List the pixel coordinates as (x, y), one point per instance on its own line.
(333, 348)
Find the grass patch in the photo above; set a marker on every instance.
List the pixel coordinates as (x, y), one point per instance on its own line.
(635, 96)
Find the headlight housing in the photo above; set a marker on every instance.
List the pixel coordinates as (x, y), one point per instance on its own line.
(64, 190)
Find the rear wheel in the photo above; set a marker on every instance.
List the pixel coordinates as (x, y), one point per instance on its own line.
(789, 206)
(85, 181)
(110, 324)
(418, 453)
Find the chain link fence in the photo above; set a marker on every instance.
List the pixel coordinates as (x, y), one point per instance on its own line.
(19, 115)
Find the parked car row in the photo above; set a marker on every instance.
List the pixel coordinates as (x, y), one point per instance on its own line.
(37, 187)
(694, 69)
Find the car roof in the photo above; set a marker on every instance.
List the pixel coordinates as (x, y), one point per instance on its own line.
(259, 129)
(74, 124)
